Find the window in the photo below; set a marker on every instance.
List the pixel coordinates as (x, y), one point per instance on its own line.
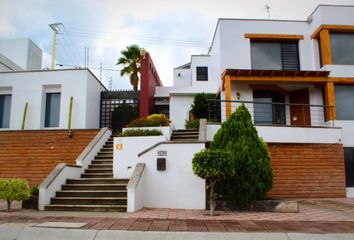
(265, 112)
(342, 48)
(275, 55)
(344, 102)
(52, 110)
(5, 108)
(202, 73)
(349, 166)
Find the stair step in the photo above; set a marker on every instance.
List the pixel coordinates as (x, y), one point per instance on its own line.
(187, 130)
(86, 208)
(185, 133)
(91, 186)
(103, 157)
(101, 165)
(92, 193)
(107, 150)
(97, 175)
(99, 170)
(89, 200)
(96, 181)
(105, 154)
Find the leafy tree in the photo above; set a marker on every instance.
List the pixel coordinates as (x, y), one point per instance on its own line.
(253, 172)
(123, 114)
(212, 165)
(200, 106)
(14, 190)
(131, 60)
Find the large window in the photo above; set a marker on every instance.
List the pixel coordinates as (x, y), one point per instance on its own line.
(5, 108)
(202, 73)
(275, 55)
(266, 110)
(342, 48)
(344, 102)
(52, 110)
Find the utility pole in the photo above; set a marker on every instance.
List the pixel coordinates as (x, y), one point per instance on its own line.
(100, 72)
(55, 28)
(110, 83)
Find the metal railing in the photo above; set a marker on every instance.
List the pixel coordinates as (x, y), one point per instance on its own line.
(274, 113)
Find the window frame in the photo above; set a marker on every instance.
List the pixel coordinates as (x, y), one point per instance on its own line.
(198, 75)
(2, 109)
(47, 123)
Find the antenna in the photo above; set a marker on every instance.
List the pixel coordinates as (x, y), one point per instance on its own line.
(55, 28)
(268, 10)
(100, 72)
(110, 83)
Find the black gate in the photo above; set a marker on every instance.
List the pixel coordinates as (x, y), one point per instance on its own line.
(118, 108)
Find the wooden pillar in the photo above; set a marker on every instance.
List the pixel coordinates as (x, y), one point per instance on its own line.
(330, 101)
(325, 47)
(228, 95)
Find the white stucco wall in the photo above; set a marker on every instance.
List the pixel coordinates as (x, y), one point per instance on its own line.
(179, 109)
(182, 77)
(32, 87)
(177, 187)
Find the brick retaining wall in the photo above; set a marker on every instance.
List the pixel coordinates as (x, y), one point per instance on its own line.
(33, 154)
(307, 170)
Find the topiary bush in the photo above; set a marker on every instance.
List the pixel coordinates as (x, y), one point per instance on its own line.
(200, 106)
(141, 132)
(14, 190)
(191, 124)
(253, 172)
(154, 120)
(213, 165)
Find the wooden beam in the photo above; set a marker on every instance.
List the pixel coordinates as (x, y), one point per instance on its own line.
(325, 47)
(342, 80)
(332, 28)
(272, 37)
(228, 95)
(283, 79)
(330, 101)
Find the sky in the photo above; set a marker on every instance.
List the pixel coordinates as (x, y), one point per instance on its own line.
(170, 30)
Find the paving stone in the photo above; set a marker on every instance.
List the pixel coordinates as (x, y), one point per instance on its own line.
(34, 233)
(61, 224)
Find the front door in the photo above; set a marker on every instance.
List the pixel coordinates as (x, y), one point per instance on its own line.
(300, 114)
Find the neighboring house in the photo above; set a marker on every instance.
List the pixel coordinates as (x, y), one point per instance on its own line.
(296, 78)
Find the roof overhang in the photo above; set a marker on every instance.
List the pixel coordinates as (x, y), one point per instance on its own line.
(275, 76)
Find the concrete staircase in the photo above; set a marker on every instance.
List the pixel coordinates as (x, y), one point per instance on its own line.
(185, 135)
(96, 190)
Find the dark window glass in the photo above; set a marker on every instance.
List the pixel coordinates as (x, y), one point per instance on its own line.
(344, 102)
(52, 110)
(342, 48)
(349, 166)
(202, 73)
(5, 108)
(275, 55)
(264, 111)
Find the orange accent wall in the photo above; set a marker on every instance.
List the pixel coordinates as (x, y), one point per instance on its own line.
(34, 154)
(307, 170)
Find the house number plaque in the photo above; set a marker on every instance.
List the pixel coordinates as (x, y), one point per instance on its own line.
(162, 153)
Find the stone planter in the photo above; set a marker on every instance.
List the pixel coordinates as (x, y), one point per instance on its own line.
(31, 203)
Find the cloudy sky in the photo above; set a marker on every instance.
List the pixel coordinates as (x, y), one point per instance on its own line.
(171, 30)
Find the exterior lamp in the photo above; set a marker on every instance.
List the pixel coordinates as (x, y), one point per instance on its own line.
(238, 95)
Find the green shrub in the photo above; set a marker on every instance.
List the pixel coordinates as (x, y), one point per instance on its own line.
(154, 120)
(213, 165)
(141, 132)
(200, 106)
(34, 191)
(190, 124)
(14, 190)
(253, 172)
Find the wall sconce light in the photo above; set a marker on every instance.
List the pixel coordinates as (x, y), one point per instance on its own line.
(238, 95)
(179, 75)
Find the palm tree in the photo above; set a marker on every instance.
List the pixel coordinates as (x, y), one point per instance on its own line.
(131, 60)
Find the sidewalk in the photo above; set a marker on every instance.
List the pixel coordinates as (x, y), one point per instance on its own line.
(315, 216)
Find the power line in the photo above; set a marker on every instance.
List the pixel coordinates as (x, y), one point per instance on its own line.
(96, 68)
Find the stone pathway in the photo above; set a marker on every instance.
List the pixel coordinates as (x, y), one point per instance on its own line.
(315, 216)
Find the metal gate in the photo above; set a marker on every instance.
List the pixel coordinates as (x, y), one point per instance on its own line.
(118, 108)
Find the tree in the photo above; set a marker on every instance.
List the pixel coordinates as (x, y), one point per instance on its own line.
(123, 114)
(200, 106)
(14, 190)
(212, 165)
(131, 60)
(253, 172)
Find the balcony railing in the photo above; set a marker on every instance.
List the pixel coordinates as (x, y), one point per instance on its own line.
(274, 113)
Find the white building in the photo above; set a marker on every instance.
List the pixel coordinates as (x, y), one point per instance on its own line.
(301, 71)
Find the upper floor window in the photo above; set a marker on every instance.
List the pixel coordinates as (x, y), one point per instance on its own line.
(268, 55)
(342, 48)
(52, 110)
(202, 73)
(5, 108)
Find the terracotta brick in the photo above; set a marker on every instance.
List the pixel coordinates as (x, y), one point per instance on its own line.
(307, 170)
(33, 154)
